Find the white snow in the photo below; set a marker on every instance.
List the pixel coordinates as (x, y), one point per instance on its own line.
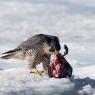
(73, 21)
(18, 81)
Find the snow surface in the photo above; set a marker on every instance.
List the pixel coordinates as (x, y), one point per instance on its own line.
(73, 21)
(19, 81)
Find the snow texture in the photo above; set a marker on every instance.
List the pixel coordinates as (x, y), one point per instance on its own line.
(19, 81)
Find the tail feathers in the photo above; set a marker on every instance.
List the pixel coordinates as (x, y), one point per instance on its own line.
(12, 51)
(8, 56)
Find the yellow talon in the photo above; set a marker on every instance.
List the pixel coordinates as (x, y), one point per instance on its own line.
(39, 72)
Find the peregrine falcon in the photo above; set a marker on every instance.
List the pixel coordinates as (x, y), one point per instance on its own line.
(35, 50)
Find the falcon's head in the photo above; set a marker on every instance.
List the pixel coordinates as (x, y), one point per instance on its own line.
(51, 45)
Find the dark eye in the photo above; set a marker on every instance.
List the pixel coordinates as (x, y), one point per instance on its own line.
(51, 49)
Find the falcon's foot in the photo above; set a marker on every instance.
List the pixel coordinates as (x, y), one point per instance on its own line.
(33, 71)
(37, 72)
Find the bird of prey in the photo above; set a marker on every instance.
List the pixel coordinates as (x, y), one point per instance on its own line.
(35, 50)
